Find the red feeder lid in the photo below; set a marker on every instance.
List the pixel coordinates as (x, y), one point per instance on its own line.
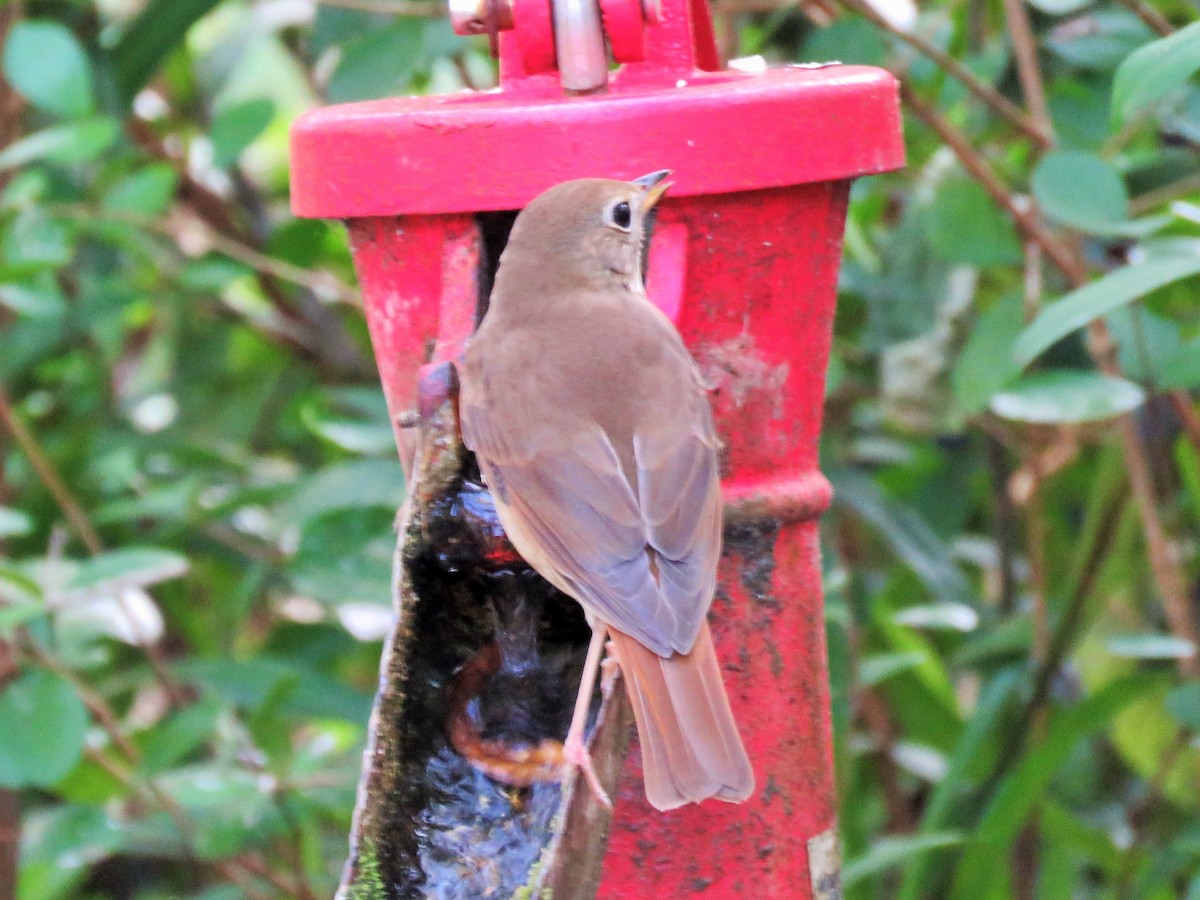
(719, 131)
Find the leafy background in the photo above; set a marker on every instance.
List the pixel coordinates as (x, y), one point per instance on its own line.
(197, 483)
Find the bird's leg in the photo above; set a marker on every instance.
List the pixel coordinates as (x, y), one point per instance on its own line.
(574, 750)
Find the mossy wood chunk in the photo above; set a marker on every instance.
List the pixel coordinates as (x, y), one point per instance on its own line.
(429, 823)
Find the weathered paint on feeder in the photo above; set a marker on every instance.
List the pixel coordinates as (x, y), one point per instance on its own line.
(744, 260)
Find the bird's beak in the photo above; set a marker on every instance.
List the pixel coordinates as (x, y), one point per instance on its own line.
(655, 185)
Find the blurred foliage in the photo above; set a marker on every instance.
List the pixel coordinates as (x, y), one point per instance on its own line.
(198, 482)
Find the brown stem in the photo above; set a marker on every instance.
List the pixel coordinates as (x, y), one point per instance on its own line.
(1140, 814)
(1151, 17)
(315, 330)
(1028, 70)
(317, 281)
(1188, 416)
(996, 101)
(1167, 572)
(1145, 202)
(878, 721)
(82, 526)
(48, 475)
(95, 702)
(1023, 216)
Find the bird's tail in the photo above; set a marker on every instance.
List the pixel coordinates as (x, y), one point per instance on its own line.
(691, 749)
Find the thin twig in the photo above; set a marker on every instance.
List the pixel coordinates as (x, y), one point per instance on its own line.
(1188, 416)
(1022, 215)
(878, 721)
(104, 714)
(253, 863)
(82, 526)
(319, 282)
(1171, 582)
(1004, 524)
(1151, 17)
(1028, 70)
(996, 101)
(1139, 815)
(48, 475)
(314, 329)
(1097, 541)
(1143, 203)
(1168, 576)
(1035, 506)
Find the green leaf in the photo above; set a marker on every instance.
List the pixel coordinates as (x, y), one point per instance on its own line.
(14, 522)
(35, 239)
(148, 191)
(229, 808)
(379, 64)
(14, 615)
(75, 142)
(45, 725)
(129, 567)
(1152, 72)
(910, 537)
(1151, 646)
(171, 741)
(892, 851)
(938, 616)
(369, 433)
(982, 864)
(986, 365)
(1083, 191)
(1183, 703)
(249, 683)
(1059, 7)
(40, 298)
(982, 730)
(1143, 340)
(236, 127)
(965, 226)
(1181, 369)
(1100, 297)
(59, 843)
(1065, 396)
(1110, 35)
(1073, 186)
(161, 26)
(17, 587)
(883, 666)
(345, 556)
(363, 483)
(44, 61)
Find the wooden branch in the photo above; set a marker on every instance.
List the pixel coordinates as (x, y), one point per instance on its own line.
(995, 101)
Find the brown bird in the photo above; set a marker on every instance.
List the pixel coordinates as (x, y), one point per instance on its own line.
(593, 431)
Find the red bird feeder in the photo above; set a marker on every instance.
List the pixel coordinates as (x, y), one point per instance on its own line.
(744, 259)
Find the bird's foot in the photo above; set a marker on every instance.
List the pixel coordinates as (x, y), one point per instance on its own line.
(576, 754)
(610, 667)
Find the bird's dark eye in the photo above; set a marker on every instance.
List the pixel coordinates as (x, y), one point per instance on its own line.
(621, 215)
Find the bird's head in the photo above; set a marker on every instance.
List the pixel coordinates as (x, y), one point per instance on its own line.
(590, 232)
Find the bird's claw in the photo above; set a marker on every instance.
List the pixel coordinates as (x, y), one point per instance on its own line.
(576, 754)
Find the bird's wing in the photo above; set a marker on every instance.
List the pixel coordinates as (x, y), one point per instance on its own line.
(679, 493)
(570, 510)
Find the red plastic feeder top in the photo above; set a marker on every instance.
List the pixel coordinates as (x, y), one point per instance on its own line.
(720, 131)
